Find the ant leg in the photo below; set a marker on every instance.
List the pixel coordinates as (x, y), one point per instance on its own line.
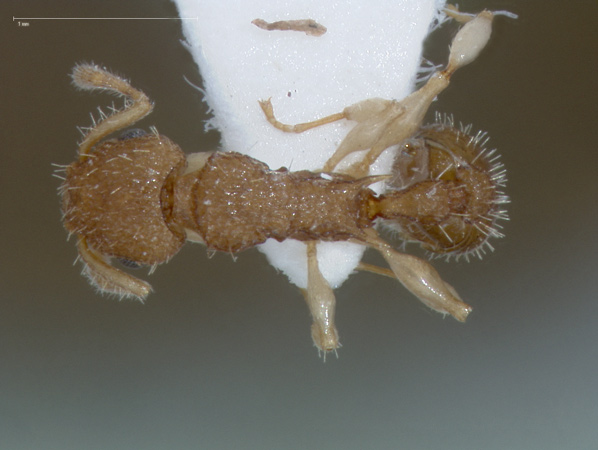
(421, 279)
(383, 123)
(361, 168)
(372, 116)
(453, 12)
(365, 267)
(321, 302)
(266, 106)
(137, 104)
(107, 278)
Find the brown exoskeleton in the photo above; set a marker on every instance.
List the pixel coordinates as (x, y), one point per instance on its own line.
(139, 198)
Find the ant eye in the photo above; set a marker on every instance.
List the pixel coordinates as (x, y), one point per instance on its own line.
(132, 133)
(129, 264)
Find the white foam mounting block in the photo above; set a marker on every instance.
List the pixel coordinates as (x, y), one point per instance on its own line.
(370, 49)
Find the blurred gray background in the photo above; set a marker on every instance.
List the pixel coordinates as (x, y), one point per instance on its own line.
(220, 355)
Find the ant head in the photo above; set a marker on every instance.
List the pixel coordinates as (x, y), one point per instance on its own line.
(113, 198)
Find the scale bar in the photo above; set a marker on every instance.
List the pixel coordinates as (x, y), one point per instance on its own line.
(104, 18)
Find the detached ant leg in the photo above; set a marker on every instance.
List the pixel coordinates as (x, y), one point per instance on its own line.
(266, 106)
(137, 105)
(321, 302)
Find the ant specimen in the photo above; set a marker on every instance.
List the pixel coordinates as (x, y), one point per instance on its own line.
(139, 198)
